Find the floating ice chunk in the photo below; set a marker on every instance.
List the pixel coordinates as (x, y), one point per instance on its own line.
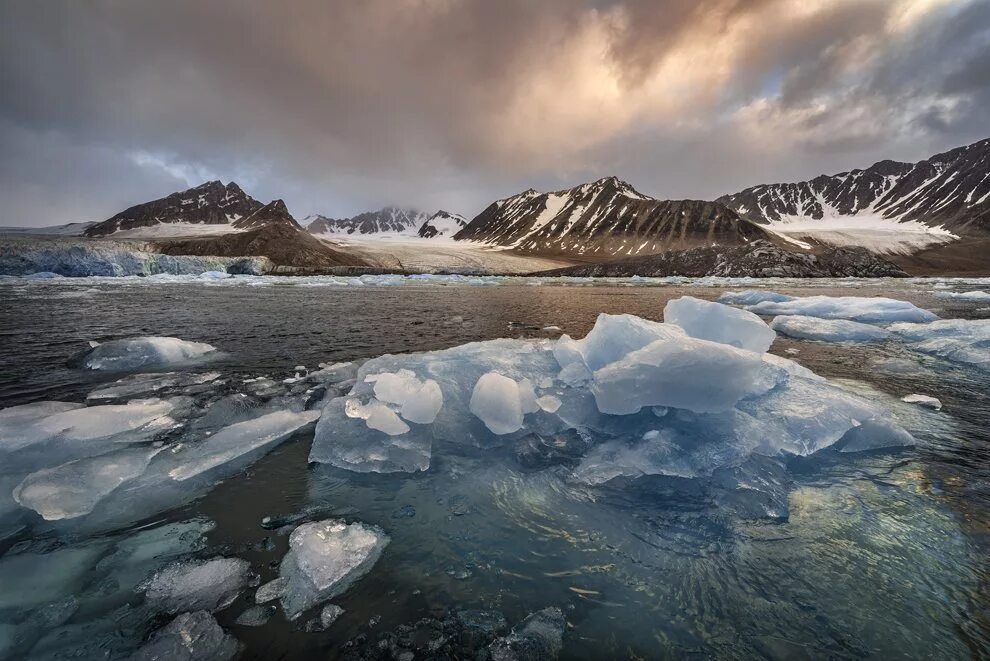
(74, 488)
(143, 385)
(958, 340)
(255, 616)
(324, 559)
(539, 636)
(548, 403)
(923, 400)
(209, 585)
(189, 637)
(329, 615)
(965, 296)
(420, 401)
(377, 416)
(855, 308)
(827, 330)
(681, 372)
(15, 418)
(719, 323)
(615, 336)
(271, 590)
(133, 422)
(238, 439)
(137, 353)
(875, 434)
(496, 401)
(752, 297)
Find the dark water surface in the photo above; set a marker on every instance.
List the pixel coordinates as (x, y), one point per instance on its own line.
(882, 556)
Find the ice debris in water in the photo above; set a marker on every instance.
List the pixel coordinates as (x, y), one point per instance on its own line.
(144, 385)
(376, 415)
(827, 330)
(74, 488)
(958, 340)
(324, 559)
(869, 310)
(138, 353)
(711, 405)
(189, 637)
(923, 400)
(271, 590)
(329, 615)
(719, 323)
(209, 585)
(752, 297)
(539, 636)
(965, 296)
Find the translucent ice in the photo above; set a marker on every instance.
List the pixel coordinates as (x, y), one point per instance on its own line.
(324, 559)
(189, 637)
(827, 330)
(958, 340)
(855, 308)
(539, 636)
(875, 434)
(74, 488)
(420, 401)
(137, 353)
(682, 373)
(719, 323)
(209, 585)
(923, 400)
(752, 297)
(376, 415)
(496, 401)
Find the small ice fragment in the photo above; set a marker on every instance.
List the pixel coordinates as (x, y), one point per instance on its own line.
(752, 297)
(271, 590)
(324, 559)
(209, 585)
(255, 616)
(329, 615)
(923, 400)
(875, 434)
(189, 637)
(548, 403)
(376, 415)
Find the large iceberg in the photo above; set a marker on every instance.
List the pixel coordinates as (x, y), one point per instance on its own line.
(651, 399)
(324, 559)
(136, 353)
(827, 330)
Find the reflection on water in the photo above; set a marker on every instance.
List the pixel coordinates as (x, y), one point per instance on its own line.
(882, 555)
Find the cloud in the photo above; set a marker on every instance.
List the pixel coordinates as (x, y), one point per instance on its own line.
(341, 106)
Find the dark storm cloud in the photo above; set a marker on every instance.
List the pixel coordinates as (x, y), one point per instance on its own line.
(340, 106)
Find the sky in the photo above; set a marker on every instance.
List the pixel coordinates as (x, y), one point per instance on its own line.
(340, 106)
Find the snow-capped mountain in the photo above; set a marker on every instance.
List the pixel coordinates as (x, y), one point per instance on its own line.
(390, 220)
(212, 203)
(950, 191)
(603, 218)
(442, 223)
(273, 213)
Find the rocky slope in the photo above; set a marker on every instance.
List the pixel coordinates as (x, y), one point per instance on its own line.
(269, 232)
(442, 223)
(394, 220)
(212, 203)
(759, 259)
(949, 190)
(603, 219)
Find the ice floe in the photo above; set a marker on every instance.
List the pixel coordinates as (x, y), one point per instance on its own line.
(325, 558)
(827, 330)
(137, 353)
(958, 340)
(976, 295)
(189, 637)
(869, 310)
(923, 400)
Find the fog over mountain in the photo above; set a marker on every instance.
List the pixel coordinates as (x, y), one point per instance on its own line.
(341, 107)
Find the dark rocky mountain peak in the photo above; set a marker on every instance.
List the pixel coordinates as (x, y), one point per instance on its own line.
(210, 203)
(273, 213)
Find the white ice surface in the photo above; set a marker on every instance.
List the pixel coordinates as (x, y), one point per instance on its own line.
(827, 330)
(719, 323)
(137, 353)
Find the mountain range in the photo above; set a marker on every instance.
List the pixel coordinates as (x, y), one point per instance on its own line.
(935, 212)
